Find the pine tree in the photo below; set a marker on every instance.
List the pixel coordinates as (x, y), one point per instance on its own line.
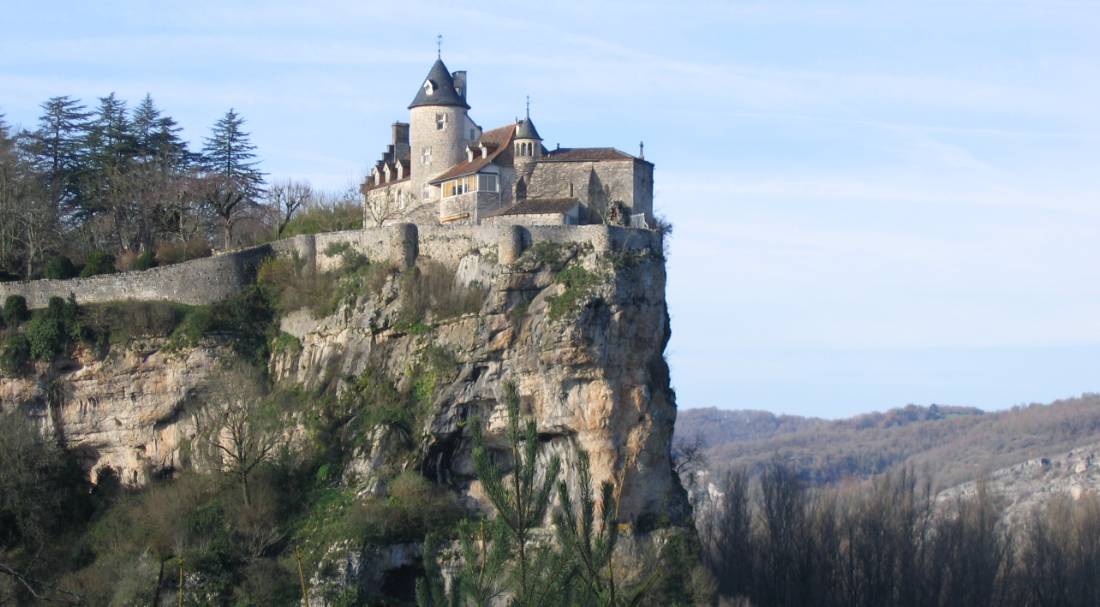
(108, 149)
(8, 177)
(590, 543)
(521, 502)
(57, 148)
(156, 137)
(233, 182)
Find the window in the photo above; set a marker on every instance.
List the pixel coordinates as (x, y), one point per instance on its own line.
(429, 88)
(487, 182)
(440, 122)
(426, 155)
(472, 135)
(426, 193)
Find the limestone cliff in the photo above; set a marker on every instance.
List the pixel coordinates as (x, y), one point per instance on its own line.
(580, 330)
(586, 356)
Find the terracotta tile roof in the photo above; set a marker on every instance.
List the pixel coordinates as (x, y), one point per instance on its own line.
(539, 206)
(496, 140)
(586, 155)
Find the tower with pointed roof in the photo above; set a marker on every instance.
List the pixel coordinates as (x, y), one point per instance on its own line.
(442, 169)
(527, 148)
(439, 127)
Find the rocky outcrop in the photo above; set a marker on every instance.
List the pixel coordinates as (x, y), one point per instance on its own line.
(580, 330)
(125, 412)
(580, 333)
(1034, 483)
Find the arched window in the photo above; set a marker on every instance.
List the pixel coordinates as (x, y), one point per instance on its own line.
(521, 190)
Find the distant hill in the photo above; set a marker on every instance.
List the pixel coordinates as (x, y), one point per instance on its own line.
(954, 444)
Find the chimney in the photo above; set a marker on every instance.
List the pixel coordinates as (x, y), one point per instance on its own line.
(400, 133)
(460, 83)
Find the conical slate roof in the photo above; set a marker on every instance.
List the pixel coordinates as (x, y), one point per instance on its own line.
(443, 89)
(525, 129)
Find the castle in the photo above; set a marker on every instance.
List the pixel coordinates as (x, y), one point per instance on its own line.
(442, 167)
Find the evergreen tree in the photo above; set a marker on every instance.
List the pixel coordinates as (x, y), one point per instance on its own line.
(8, 177)
(521, 502)
(156, 137)
(590, 541)
(109, 148)
(233, 182)
(57, 149)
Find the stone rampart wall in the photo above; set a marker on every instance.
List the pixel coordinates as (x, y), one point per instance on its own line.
(204, 281)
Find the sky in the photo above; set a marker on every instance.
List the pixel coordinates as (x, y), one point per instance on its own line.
(874, 203)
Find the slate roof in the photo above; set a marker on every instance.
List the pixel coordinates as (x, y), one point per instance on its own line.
(586, 155)
(369, 183)
(496, 140)
(539, 206)
(525, 129)
(445, 93)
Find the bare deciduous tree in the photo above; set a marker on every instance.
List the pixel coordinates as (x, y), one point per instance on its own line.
(234, 431)
(286, 198)
(384, 206)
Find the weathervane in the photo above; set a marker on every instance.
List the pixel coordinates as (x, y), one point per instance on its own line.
(439, 46)
(528, 107)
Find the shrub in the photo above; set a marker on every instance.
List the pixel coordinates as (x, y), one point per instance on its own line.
(47, 336)
(15, 354)
(15, 310)
(414, 508)
(431, 287)
(52, 330)
(121, 322)
(317, 219)
(292, 287)
(174, 252)
(97, 263)
(196, 323)
(60, 267)
(579, 286)
(132, 261)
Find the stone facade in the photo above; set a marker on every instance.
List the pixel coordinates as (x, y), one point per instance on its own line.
(445, 158)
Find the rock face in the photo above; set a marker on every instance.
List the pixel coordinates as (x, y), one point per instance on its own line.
(580, 334)
(1034, 483)
(124, 412)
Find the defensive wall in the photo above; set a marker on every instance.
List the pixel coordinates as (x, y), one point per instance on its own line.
(204, 281)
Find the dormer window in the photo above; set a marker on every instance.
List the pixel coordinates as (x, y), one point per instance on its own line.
(484, 151)
(429, 87)
(440, 122)
(469, 154)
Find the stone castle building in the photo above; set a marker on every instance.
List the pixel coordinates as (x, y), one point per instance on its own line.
(442, 167)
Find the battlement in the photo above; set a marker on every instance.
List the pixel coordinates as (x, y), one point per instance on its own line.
(211, 279)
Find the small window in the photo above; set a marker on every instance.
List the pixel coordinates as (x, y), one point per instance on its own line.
(440, 122)
(426, 193)
(426, 155)
(472, 135)
(487, 182)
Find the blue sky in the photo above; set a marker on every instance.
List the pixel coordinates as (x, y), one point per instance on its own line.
(875, 203)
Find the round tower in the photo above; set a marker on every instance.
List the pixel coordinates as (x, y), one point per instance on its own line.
(437, 126)
(527, 147)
